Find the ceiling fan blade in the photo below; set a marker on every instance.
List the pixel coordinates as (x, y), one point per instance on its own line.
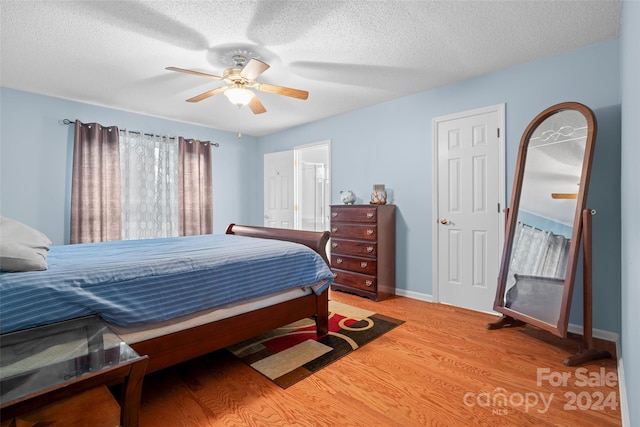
(207, 94)
(256, 106)
(286, 91)
(253, 69)
(196, 73)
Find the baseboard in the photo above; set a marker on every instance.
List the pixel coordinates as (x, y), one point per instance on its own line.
(429, 298)
(597, 333)
(576, 329)
(414, 295)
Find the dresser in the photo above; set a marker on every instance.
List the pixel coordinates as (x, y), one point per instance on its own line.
(363, 249)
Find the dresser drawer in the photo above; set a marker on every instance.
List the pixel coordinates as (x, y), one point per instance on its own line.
(354, 214)
(354, 231)
(356, 280)
(360, 265)
(353, 247)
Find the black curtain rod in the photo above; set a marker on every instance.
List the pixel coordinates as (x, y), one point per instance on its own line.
(73, 122)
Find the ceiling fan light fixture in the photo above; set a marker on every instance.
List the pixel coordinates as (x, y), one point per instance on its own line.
(240, 78)
(239, 96)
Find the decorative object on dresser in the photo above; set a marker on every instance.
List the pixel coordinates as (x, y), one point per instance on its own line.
(379, 195)
(348, 197)
(363, 249)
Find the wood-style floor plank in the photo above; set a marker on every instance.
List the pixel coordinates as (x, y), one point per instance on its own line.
(442, 367)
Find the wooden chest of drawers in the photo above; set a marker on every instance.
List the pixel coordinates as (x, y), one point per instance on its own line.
(363, 249)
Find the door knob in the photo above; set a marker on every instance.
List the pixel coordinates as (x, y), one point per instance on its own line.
(444, 221)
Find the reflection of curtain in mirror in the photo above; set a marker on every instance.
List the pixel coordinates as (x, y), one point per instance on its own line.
(537, 253)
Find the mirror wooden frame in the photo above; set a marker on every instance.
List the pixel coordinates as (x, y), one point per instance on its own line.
(514, 318)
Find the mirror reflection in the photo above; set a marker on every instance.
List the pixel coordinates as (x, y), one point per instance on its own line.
(545, 217)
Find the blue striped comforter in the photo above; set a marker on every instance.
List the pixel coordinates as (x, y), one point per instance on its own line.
(133, 282)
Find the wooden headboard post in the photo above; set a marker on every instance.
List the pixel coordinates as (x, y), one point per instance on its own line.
(316, 240)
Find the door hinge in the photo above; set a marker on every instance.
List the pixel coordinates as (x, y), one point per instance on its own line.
(498, 132)
(498, 207)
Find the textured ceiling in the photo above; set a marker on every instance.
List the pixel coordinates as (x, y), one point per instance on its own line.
(347, 54)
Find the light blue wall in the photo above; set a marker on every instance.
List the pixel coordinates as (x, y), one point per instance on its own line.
(630, 87)
(35, 158)
(390, 144)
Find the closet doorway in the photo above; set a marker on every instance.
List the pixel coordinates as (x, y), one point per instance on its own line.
(297, 187)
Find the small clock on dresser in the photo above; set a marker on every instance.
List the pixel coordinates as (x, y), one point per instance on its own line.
(363, 249)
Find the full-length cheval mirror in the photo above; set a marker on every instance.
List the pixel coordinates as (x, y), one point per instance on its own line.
(546, 223)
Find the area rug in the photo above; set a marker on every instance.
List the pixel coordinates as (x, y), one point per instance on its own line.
(289, 354)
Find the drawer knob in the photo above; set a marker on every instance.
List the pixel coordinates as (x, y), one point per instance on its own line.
(368, 282)
(334, 214)
(369, 232)
(335, 275)
(334, 245)
(369, 249)
(334, 229)
(363, 264)
(369, 214)
(339, 261)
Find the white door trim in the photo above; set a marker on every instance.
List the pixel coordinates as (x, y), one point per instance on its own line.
(500, 109)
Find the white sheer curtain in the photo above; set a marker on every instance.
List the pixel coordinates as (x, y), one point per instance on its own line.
(149, 168)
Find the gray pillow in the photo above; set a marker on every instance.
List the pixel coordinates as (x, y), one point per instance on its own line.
(22, 248)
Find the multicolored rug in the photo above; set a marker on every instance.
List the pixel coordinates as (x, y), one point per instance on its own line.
(289, 354)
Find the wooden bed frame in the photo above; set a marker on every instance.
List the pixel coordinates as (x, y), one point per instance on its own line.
(177, 347)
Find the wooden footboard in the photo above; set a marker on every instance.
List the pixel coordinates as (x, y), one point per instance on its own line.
(170, 349)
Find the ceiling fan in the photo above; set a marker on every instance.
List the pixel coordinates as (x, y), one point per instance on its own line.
(239, 79)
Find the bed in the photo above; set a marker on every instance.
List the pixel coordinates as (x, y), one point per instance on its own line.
(196, 330)
(193, 341)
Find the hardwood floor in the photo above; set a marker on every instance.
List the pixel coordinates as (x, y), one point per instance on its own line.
(442, 367)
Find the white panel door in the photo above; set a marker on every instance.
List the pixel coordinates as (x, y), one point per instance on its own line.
(278, 189)
(470, 191)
